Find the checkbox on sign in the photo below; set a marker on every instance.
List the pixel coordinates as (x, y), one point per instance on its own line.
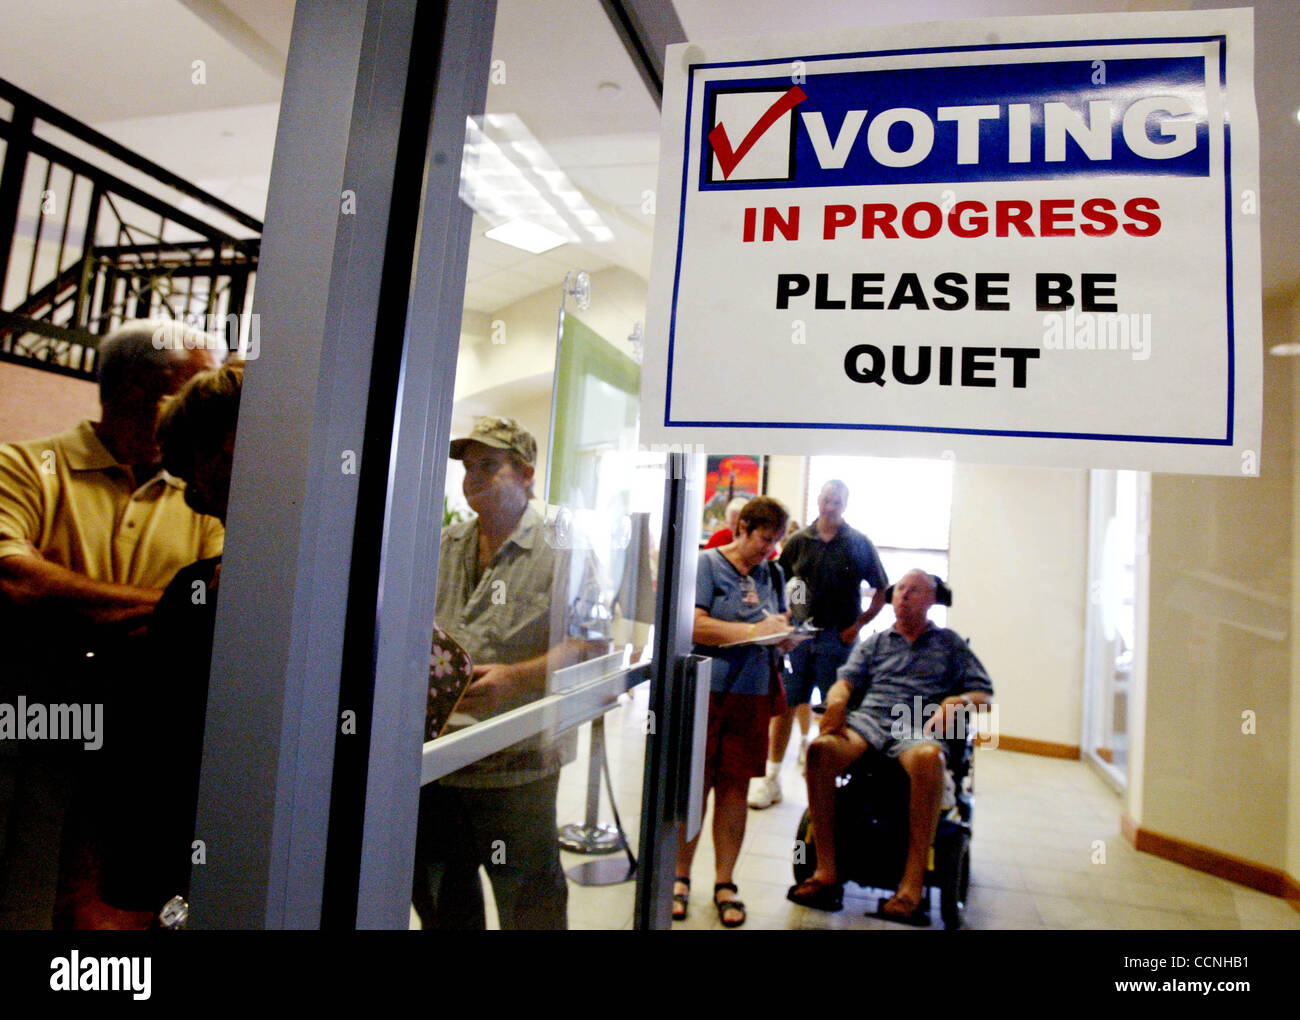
(752, 134)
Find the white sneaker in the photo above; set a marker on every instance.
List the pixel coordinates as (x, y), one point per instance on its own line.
(765, 793)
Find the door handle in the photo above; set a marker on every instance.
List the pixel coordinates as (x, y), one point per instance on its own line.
(693, 674)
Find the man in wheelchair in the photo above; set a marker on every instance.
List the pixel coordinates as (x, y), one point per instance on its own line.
(891, 672)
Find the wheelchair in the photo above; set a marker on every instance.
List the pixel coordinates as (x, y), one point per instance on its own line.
(871, 829)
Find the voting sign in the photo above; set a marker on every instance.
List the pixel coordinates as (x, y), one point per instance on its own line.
(1029, 240)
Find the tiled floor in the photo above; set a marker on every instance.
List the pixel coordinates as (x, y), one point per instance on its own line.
(1047, 853)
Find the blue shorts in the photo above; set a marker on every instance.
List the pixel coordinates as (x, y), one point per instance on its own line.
(885, 739)
(814, 664)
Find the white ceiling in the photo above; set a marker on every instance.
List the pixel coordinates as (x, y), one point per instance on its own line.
(557, 55)
(107, 60)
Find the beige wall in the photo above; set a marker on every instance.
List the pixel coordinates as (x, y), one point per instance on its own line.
(787, 478)
(1292, 856)
(35, 403)
(1221, 571)
(535, 416)
(1292, 863)
(518, 342)
(507, 358)
(1018, 568)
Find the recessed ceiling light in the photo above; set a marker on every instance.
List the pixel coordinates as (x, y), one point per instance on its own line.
(527, 236)
(507, 175)
(1288, 350)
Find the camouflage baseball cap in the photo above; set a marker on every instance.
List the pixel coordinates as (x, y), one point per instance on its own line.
(500, 434)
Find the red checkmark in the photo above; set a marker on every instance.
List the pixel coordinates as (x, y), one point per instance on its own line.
(727, 159)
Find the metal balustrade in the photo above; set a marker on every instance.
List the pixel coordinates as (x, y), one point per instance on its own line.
(92, 234)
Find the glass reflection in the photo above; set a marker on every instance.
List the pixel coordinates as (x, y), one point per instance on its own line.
(525, 592)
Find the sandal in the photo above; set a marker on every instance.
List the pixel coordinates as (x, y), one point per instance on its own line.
(680, 900)
(918, 918)
(726, 905)
(828, 897)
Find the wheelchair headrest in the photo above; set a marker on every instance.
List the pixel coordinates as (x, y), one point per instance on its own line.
(942, 593)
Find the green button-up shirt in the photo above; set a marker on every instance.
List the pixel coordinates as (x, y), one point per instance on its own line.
(514, 612)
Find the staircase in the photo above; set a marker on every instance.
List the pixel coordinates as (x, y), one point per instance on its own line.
(92, 234)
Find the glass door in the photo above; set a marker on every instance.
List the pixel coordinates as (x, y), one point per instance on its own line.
(1112, 621)
(539, 711)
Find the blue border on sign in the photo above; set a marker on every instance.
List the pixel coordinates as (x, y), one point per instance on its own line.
(1222, 40)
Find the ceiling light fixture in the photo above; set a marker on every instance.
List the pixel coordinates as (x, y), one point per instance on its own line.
(508, 176)
(528, 236)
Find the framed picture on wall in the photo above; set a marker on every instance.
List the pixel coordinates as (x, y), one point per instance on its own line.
(727, 477)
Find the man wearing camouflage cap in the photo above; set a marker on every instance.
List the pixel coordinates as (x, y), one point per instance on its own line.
(495, 580)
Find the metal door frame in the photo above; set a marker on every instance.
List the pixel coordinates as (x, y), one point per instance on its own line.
(321, 652)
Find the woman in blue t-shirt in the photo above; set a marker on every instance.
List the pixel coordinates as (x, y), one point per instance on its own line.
(739, 600)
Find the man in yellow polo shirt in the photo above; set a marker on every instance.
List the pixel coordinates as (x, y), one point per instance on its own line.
(91, 530)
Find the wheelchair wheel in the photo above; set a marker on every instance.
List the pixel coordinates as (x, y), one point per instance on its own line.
(952, 895)
(805, 863)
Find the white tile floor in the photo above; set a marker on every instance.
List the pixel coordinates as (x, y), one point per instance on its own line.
(1039, 824)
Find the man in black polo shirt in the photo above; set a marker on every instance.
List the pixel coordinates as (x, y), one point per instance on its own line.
(827, 562)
